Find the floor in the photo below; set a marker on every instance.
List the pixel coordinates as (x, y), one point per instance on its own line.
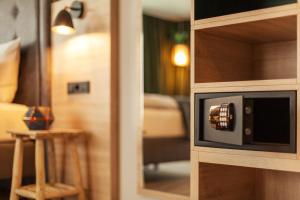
(5, 187)
(171, 177)
(4, 195)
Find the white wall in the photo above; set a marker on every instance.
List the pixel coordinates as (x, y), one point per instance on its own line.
(130, 95)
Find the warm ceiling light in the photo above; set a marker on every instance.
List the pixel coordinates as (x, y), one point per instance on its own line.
(180, 55)
(63, 23)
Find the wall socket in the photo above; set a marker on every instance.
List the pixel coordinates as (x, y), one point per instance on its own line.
(79, 87)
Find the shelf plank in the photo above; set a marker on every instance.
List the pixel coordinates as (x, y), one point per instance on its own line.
(250, 16)
(56, 191)
(41, 134)
(289, 156)
(274, 163)
(263, 31)
(244, 87)
(246, 52)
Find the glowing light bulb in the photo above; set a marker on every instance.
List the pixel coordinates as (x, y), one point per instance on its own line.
(63, 30)
(180, 56)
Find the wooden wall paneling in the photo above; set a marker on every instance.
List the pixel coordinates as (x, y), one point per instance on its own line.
(275, 60)
(97, 112)
(220, 182)
(276, 185)
(218, 59)
(263, 31)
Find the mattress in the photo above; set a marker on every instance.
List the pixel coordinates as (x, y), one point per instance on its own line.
(11, 116)
(163, 123)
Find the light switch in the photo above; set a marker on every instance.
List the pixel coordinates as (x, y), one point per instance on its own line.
(79, 87)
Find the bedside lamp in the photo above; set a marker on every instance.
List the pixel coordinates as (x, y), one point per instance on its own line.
(63, 23)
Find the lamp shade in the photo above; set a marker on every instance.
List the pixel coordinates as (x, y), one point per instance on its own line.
(63, 23)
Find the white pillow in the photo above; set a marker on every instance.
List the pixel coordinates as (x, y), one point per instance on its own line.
(9, 70)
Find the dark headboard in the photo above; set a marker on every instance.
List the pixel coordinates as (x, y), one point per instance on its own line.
(29, 20)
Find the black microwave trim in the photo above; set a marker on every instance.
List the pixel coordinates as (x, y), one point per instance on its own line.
(284, 148)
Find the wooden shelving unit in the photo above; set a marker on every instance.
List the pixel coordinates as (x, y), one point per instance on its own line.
(256, 50)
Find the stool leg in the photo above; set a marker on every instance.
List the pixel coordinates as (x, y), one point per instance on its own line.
(17, 168)
(51, 163)
(76, 170)
(40, 169)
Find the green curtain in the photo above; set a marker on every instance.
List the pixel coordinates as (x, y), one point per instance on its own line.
(160, 75)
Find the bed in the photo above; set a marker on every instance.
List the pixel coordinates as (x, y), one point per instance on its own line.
(30, 22)
(165, 129)
(10, 115)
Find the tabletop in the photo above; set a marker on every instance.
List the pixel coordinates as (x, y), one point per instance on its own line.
(44, 134)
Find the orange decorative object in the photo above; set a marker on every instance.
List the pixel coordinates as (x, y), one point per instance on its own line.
(38, 118)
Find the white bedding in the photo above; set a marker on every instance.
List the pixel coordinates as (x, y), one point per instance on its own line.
(162, 117)
(9, 70)
(11, 117)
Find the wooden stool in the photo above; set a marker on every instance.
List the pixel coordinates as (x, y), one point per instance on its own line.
(42, 190)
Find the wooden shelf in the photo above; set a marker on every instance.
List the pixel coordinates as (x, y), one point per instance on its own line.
(222, 182)
(251, 51)
(260, 83)
(244, 17)
(251, 153)
(262, 31)
(245, 52)
(250, 161)
(56, 191)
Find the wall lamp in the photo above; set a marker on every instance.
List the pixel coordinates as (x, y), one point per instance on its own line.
(181, 51)
(63, 23)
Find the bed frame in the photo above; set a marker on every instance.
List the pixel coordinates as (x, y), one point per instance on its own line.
(29, 20)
